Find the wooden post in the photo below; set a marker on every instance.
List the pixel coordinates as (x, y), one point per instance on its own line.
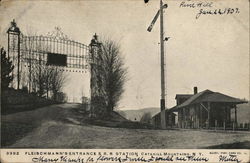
(208, 106)
(195, 112)
(229, 116)
(215, 124)
(181, 118)
(225, 117)
(197, 116)
(184, 118)
(201, 116)
(224, 125)
(235, 115)
(192, 118)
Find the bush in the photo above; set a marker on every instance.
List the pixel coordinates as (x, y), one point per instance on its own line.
(6, 69)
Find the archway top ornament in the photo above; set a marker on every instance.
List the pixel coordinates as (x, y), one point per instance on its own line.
(58, 34)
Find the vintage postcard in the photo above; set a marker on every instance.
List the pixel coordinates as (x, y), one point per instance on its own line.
(124, 81)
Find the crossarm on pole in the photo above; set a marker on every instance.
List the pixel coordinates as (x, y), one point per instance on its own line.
(155, 18)
(153, 21)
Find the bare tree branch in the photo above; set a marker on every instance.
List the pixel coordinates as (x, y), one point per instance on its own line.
(109, 74)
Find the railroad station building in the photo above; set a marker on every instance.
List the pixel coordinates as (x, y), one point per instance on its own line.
(206, 109)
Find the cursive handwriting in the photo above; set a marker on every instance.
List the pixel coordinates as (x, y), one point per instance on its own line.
(120, 159)
(225, 11)
(192, 158)
(208, 8)
(44, 159)
(229, 158)
(190, 4)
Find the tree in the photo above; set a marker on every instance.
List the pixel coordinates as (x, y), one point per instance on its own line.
(39, 78)
(56, 81)
(61, 97)
(109, 75)
(6, 70)
(46, 78)
(42, 78)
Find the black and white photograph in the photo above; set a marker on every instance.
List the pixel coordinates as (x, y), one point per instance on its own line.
(125, 74)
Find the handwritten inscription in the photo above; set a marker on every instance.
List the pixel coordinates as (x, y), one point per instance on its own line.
(44, 159)
(195, 4)
(225, 11)
(208, 8)
(131, 156)
(229, 158)
(120, 159)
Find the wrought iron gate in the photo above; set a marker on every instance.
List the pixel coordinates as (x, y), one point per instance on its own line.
(54, 50)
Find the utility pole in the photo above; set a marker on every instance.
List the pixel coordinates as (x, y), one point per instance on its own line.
(162, 100)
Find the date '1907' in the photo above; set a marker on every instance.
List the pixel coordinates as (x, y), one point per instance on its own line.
(225, 11)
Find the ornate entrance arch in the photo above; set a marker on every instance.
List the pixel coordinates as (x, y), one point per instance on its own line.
(54, 50)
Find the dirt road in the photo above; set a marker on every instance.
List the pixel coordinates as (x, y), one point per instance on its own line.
(59, 127)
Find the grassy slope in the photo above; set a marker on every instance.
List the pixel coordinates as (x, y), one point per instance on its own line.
(60, 126)
(18, 125)
(13, 101)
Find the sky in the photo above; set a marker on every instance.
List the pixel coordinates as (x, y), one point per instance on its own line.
(211, 52)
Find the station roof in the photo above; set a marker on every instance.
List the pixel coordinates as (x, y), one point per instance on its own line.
(208, 96)
(183, 96)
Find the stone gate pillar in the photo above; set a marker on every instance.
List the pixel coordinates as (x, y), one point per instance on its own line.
(94, 85)
(14, 51)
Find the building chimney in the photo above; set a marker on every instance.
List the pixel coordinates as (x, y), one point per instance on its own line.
(195, 90)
